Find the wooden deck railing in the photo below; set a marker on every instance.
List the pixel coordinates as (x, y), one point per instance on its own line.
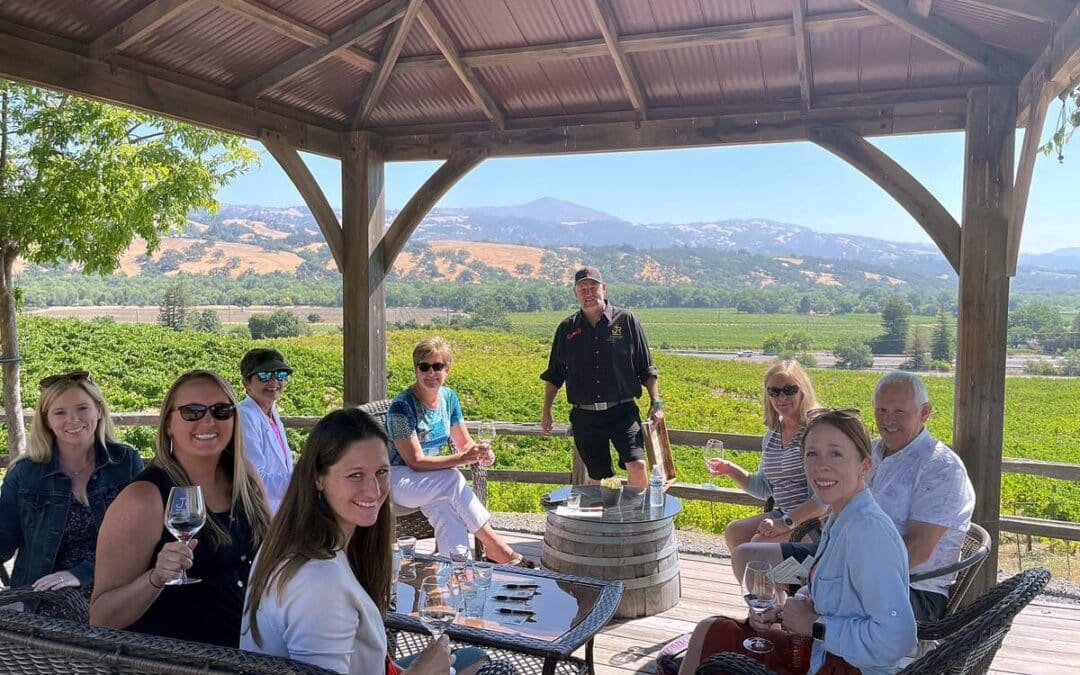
(1038, 527)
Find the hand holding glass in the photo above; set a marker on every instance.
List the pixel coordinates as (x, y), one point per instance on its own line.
(185, 514)
(438, 605)
(714, 450)
(485, 435)
(760, 594)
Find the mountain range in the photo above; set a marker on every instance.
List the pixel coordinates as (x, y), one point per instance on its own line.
(545, 238)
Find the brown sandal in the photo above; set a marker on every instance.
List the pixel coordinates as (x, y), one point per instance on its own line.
(521, 561)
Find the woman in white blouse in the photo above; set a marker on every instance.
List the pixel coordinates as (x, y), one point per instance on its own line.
(265, 373)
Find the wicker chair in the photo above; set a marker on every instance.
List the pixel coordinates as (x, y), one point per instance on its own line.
(972, 554)
(969, 650)
(411, 522)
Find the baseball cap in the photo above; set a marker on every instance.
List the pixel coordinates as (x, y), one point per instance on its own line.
(262, 359)
(588, 272)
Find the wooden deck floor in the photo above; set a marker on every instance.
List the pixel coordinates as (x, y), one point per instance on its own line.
(1044, 639)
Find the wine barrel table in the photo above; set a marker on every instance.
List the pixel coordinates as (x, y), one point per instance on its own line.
(631, 542)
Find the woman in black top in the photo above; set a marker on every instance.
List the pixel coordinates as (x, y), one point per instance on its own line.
(199, 443)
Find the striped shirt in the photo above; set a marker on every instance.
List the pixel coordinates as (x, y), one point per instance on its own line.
(781, 474)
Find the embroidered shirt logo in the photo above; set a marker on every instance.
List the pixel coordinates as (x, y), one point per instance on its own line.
(616, 332)
(572, 334)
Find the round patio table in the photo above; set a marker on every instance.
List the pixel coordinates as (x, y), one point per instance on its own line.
(631, 542)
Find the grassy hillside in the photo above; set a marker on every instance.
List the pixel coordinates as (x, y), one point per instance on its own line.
(496, 376)
(727, 328)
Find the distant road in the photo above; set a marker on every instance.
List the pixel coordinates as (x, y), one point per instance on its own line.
(234, 314)
(1013, 364)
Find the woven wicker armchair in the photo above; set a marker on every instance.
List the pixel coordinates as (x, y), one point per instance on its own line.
(411, 522)
(973, 552)
(35, 644)
(969, 648)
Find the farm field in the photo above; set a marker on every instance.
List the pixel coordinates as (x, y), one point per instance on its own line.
(496, 376)
(700, 328)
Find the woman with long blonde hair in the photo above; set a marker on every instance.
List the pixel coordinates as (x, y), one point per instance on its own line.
(198, 443)
(788, 396)
(55, 495)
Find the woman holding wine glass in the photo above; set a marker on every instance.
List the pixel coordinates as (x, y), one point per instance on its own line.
(788, 395)
(55, 495)
(855, 607)
(321, 583)
(146, 544)
(420, 421)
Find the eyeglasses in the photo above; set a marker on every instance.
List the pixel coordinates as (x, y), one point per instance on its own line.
(267, 375)
(437, 366)
(193, 412)
(74, 376)
(786, 390)
(840, 413)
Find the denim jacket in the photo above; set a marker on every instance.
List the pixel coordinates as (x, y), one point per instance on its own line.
(34, 503)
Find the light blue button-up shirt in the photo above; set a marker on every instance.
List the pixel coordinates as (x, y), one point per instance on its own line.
(860, 589)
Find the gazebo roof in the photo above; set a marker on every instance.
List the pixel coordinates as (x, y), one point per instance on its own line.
(533, 76)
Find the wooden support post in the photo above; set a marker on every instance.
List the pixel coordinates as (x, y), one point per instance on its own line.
(363, 220)
(979, 406)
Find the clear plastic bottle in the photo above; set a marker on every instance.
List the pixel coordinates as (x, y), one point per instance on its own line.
(656, 487)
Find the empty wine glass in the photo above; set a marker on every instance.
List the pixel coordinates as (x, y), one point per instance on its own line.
(460, 556)
(759, 592)
(185, 514)
(714, 450)
(485, 435)
(438, 605)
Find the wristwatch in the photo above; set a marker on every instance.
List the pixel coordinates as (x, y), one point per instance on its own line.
(788, 520)
(818, 631)
(657, 403)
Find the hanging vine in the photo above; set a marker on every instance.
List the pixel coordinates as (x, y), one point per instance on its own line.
(1068, 121)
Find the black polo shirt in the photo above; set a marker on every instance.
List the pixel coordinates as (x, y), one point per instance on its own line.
(607, 362)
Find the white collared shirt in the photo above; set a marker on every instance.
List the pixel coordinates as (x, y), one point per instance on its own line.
(925, 481)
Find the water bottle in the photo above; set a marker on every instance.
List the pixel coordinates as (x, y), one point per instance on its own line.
(656, 487)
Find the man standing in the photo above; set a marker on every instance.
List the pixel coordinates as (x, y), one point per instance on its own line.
(918, 481)
(600, 352)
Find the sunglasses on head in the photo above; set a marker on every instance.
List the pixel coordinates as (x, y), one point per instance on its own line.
(838, 413)
(786, 390)
(193, 412)
(74, 376)
(267, 375)
(425, 366)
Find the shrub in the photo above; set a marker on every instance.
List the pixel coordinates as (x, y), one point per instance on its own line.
(313, 318)
(941, 365)
(853, 354)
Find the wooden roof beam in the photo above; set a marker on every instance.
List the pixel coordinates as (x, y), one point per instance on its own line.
(422, 201)
(1046, 11)
(650, 42)
(605, 21)
(1030, 149)
(450, 52)
(390, 54)
(920, 7)
(1059, 64)
(901, 186)
(562, 138)
(948, 38)
(128, 31)
(802, 51)
(362, 28)
(283, 24)
(305, 183)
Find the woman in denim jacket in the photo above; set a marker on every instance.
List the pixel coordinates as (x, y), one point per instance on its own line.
(55, 495)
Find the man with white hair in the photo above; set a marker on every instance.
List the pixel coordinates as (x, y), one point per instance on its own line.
(918, 481)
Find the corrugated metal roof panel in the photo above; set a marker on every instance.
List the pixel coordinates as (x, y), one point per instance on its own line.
(772, 9)
(214, 45)
(424, 97)
(696, 75)
(571, 86)
(829, 6)
(996, 28)
(374, 44)
(575, 19)
(930, 66)
(657, 79)
(81, 21)
(780, 68)
(834, 58)
(740, 71)
(884, 58)
(605, 82)
(328, 16)
(721, 12)
(537, 20)
(330, 89)
(478, 24)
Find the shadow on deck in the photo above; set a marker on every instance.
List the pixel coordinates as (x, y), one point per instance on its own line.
(1045, 637)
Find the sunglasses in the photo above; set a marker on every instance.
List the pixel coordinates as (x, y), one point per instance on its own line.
(838, 413)
(786, 390)
(437, 366)
(267, 375)
(74, 376)
(193, 412)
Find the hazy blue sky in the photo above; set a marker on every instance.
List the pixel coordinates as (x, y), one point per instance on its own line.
(792, 182)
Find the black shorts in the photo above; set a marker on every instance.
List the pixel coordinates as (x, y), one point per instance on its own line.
(594, 429)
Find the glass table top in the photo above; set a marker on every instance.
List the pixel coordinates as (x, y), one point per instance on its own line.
(632, 507)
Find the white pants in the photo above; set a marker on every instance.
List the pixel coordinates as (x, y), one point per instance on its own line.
(444, 498)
